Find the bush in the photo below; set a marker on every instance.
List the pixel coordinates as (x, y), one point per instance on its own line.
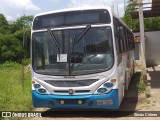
(11, 38)
(26, 61)
(142, 85)
(11, 64)
(10, 48)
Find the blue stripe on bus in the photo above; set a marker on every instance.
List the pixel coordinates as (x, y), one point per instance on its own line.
(51, 101)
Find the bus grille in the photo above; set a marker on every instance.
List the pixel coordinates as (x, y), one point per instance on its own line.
(76, 91)
(71, 83)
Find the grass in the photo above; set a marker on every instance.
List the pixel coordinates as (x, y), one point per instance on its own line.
(141, 85)
(14, 97)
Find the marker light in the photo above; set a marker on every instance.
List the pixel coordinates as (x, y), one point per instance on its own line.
(33, 82)
(113, 80)
(108, 85)
(37, 85)
(41, 90)
(102, 90)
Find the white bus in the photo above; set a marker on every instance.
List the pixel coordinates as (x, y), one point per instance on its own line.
(81, 59)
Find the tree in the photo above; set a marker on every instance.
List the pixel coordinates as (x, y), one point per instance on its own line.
(149, 23)
(152, 23)
(3, 24)
(11, 48)
(21, 23)
(11, 38)
(131, 23)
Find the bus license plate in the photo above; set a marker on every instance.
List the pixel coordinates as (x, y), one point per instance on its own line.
(104, 102)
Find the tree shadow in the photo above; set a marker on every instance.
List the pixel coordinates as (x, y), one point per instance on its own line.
(130, 99)
(154, 76)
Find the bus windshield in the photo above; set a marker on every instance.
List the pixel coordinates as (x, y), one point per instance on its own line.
(91, 54)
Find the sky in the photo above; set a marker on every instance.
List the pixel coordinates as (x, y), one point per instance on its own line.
(12, 9)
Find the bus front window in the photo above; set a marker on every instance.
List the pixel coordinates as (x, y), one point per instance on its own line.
(91, 54)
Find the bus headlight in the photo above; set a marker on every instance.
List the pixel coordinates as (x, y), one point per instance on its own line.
(39, 88)
(37, 85)
(106, 87)
(102, 90)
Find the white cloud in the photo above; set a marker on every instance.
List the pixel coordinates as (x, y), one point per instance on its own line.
(111, 3)
(82, 3)
(55, 1)
(15, 8)
(9, 17)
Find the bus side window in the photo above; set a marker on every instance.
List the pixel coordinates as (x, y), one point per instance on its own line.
(122, 34)
(118, 36)
(125, 40)
(124, 37)
(117, 42)
(130, 41)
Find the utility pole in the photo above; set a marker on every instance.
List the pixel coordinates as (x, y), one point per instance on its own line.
(142, 39)
(117, 7)
(124, 5)
(113, 7)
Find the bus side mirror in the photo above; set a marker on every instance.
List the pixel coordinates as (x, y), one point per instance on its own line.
(25, 41)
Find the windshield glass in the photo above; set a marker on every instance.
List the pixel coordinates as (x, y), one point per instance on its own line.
(92, 53)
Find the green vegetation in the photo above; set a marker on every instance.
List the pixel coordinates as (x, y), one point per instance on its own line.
(11, 38)
(14, 97)
(149, 23)
(142, 85)
(11, 32)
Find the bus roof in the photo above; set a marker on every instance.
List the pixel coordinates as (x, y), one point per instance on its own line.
(74, 9)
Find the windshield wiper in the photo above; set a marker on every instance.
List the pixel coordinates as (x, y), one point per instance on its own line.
(53, 38)
(75, 41)
(82, 34)
(55, 41)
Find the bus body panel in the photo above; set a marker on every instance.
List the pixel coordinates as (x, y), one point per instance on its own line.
(91, 101)
(121, 72)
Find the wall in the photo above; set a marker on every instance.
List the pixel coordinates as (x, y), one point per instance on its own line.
(152, 48)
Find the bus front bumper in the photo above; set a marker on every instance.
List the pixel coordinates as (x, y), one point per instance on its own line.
(105, 101)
